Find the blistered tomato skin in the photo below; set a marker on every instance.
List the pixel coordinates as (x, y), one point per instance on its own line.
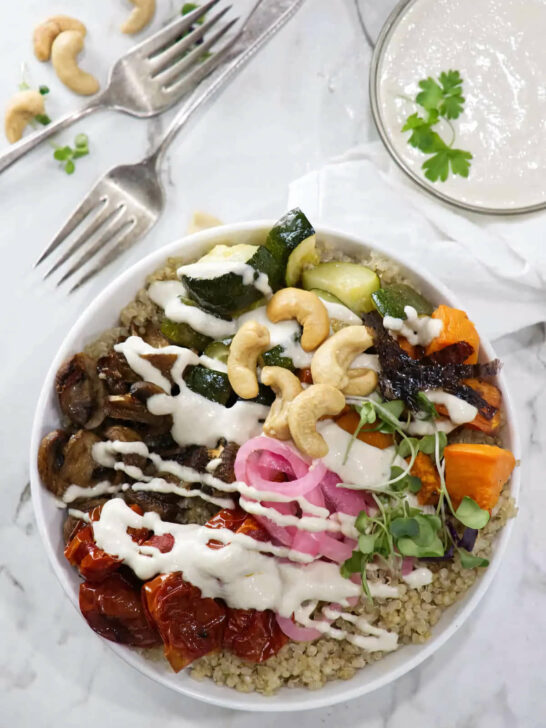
(252, 635)
(93, 563)
(190, 626)
(114, 610)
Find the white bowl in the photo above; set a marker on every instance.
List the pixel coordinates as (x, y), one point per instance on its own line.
(102, 314)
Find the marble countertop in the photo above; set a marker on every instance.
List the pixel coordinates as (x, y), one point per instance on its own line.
(303, 100)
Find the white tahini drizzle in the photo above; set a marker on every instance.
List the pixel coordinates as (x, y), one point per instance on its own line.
(418, 330)
(418, 577)
(365, 466)
(73, 492)
(207, 269)
(458, 410)
(188, 409)
(242, 573)
(339, 312)
(285, 334)
(166, 294)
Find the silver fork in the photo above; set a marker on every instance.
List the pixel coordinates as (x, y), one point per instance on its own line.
(149, 79)
(129, 199)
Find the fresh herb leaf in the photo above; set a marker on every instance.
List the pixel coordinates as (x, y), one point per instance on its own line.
(470, 514)
(441, 99)
(81, 140)
(469, 561)
(366, 543)
(408, 547)
(405, 447)
(62, 153)
(408, 482)
(69, 167)
(452, 103)
(67, 155)
(44, 90)
(404, 527)
(362, 521)
(427, 406)
(352, 565)
(43, 119)
(427, 444)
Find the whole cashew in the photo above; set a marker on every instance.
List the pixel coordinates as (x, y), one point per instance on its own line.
(21, 109)
(304, 412)
(307, 309)
(141, 15)
(331, 362)
(64, 52)
(286, 387)
(249, 342)
(46, 32)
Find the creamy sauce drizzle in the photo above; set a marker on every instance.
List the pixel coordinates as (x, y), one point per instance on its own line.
(238, 423)
(418, 578)
(166, 294)
(458, 410)
(418, 330)
(207, 269)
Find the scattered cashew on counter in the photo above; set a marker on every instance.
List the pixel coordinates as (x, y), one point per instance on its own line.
(305, 410)
(286, 387)
(140, 16)
(331, 362)
(249, 342)
(21, 109)
(64, 56)
(307, 309)
(46, 32)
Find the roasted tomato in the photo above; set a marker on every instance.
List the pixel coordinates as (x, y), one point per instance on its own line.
(237, 521)
(253, 635)
(305, 376)
(114, 610)
(93, 563)
(190, 626)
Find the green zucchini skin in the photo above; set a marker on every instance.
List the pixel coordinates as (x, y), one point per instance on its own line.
(275, 358)
(182, 334)
(209, 383)
(219, 350)
(391, 300)
(287, 233)
(351, 283)
(227, 294)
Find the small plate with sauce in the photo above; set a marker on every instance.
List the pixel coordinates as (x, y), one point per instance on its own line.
(497, 47)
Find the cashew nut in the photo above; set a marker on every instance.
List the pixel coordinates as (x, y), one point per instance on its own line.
(141, 15)
(21, 109)
(331, 362)
(286, 387)
(307, 309)
(64, 52)
(304, 412)
(249, 342)
(46, 32)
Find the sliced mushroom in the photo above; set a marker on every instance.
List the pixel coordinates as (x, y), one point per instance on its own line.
(121, 433)
(116, 373)
(142, 391)
(80, 391)
(166, 505)
(225, 470)
(163, 362)
(131, 408)
(65, 460)
(51, 459)
(79, 464)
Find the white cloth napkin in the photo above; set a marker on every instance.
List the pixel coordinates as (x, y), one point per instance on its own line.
(496, 266)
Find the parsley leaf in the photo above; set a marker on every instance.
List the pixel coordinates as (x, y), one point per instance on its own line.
(441, 98)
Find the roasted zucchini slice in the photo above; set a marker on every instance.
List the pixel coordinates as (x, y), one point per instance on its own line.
(249, 271)
(275, 357)
(208, 383)
(391, 301)
(182, 334)
(352, 283)
(287, 234)
(303, 256)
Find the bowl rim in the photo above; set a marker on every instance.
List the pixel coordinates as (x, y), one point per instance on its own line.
(235, 700)
(381, 44)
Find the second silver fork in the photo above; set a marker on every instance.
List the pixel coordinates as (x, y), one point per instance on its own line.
(127, 201)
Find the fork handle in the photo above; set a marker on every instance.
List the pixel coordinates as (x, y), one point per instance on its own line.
(263, 21)
(20, 148)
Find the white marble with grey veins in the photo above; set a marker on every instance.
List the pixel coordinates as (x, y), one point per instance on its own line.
(303, 100)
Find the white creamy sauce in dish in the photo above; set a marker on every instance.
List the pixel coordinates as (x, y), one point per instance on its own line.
(339, 312)
(418, 578)
(285, 334)
(418, 330)
(166, 294)
(498, 48)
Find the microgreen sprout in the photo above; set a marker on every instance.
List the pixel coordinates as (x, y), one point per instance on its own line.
(66, 155)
